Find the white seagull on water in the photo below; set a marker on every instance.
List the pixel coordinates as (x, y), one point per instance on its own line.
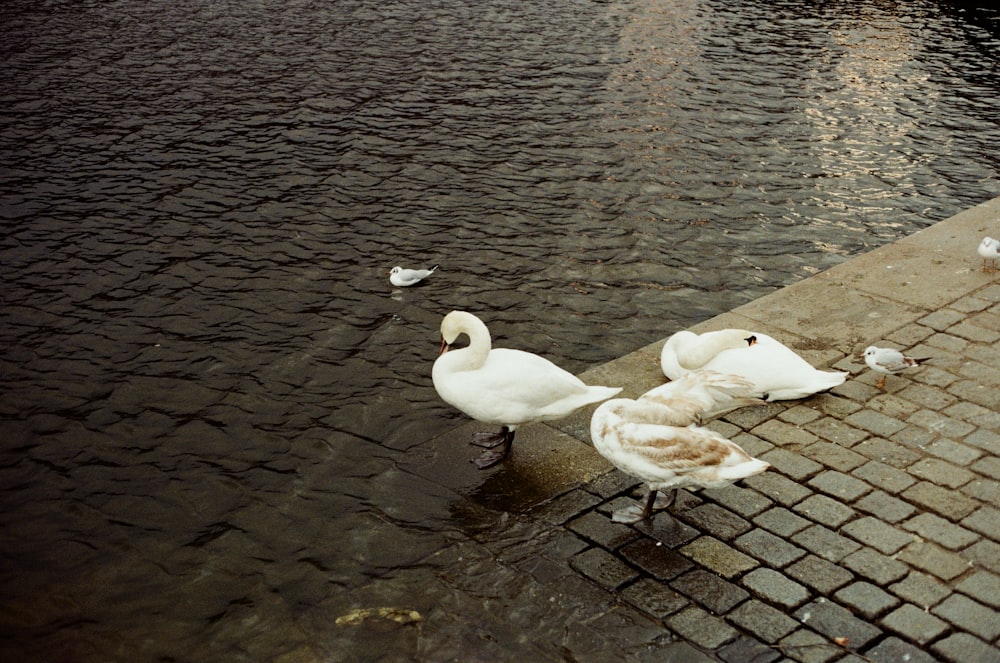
(407, 277)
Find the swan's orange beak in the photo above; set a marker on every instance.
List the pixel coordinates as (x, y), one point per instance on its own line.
(751, 340)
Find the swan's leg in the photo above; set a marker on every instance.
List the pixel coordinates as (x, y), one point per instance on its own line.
(490, 440)
(491, 457)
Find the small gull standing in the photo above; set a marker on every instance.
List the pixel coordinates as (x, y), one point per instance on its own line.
(989, 249)
(407, 277)
(887, 360)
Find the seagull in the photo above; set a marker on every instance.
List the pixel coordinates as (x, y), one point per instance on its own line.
(502, 386)
(989, 249)
(887, 360)
(406, 277)
(656, 439)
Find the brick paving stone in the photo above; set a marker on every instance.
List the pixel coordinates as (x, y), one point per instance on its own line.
(834, 456)
(934, 376)
(747, 649)
(970, 616)
(894, 650)
(910, 335)
(866, 599)
(975, 391)
(701, 628)
(947, 342)
(837, 431)
(717, 521)
(824, 510)
(878, 534)
(565, 507)
(840, 485)
(825, 543)
(783, 434)
(953, 452)
(603, 568)
(859, 389)
(723, 428)
(791, 464)
(799, 415)
(941, 472)
(781, 489)
(986, 440)
(965, 648)
(819, 574)
(885, 507)
(975, 371)
(977, 415)
(748, 417)
(941, 319)
(599, 529)
(920, 589)
(654, 598)
(934, 560)
(836, 621)
(914, 437)
(875, 566)
(752, 444)
(984, 490)
(770, 549)
(989, 466)
(970, 304)
(927, 396)
(656, 559)
(985, 520)
(941, 424)
(743, 501)
(945, 502)
(807, 646)
(719, 557)
(611, 484)
(985, 553)
(774, 587)
(781, 521)
(885, 477)
(887, 452)
(939, 530)
(983, 586)
(834, 406)
(763, 621)
(978, 333)
(892, 405)
(914, 624)
(875, 423)
(712, 592)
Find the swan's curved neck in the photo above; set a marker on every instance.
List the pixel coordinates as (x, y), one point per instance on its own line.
(702, 349)
(480, 344)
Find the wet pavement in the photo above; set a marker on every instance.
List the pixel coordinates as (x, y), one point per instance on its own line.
(874, 536)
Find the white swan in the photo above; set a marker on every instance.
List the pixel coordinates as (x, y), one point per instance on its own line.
(506, 387)
(776, 371)
(654, 438)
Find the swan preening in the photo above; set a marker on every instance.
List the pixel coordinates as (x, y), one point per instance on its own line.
(655, 439)
(504, 387)
(888, 360)
(776, 371)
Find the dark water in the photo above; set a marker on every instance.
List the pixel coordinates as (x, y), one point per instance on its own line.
(209, 386)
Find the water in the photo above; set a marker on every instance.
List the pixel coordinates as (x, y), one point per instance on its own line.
(211, 394)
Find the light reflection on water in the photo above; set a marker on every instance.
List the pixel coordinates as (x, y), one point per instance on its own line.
(215, 406)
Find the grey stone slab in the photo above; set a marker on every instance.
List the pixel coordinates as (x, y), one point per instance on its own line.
(770, 549)
(866, 599)
(840, 485)
(807, 646)
(920, 589)
(656, 559)
(827, 544)
(781, 489)
(763, 621)
(886, 452)
(748, 649)
(714, 593)
(877, 534)
(941, 472)
(834, 456)
(986, 520)
(962, 647)
(792, 464)
(719, 557)
(982, 586)
(875, 423)
(717, 521)
(775, 588)
(934, 560)
(894, 650)
(824, 510)
(819, 574)
(599, 529)
(885, 507)
(914, 624)
(958, 454)
(836, 621)
(603, 568)
(970, 616)
(654, 598)
(880, 569)
(883, 476)
(941, 531)
(943, 501)
(781, 521)
(743, 501)
(701, 628)
(836, 431)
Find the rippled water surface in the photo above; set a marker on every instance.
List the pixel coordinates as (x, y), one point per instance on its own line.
(211, 391)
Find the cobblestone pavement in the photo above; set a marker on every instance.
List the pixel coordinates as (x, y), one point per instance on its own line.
(874, 536)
